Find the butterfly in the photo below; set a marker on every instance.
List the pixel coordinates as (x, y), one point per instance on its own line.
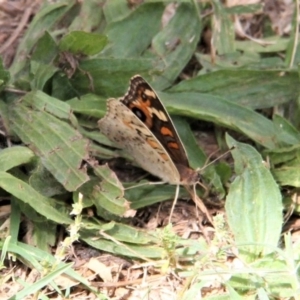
(139, 123)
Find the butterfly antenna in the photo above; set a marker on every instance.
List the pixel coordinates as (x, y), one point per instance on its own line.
(206, 164)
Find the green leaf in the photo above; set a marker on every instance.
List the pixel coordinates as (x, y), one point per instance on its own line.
(49, 15)
(253, 204)
(270, 45)
(109, 193)
(80, 42)
(132, 35)
(27, 194)
(120, 232)
(89, 104)
(39, 284)
(4, 115)
(110, 76)
(124, 249)
(41, 74)
(46, 49)
(15, 156)
(60, 147)
(62, 87)
(175, 44)
(115, 11)
(150, 193)
(44, 102)
(244, 9)
(285, 162)
(286, 130)
(37, 180)
(288, 174)
(233, 60)
(291, 55)
(251, 88)
(223, 30)
(197, 157)
(4, 75)
(43, 234)
(35, 255)
(89, 17)
(228, 114)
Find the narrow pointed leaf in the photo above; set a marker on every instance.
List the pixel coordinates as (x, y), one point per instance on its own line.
(15, 156)
(27, 194)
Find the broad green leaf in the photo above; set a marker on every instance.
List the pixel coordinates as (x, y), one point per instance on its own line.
(47, 17)
(228, 114)
(37, 180)
(62, 87)
(270, 271)
(115, 11)
(90, 105)
(109, 193)
(288, 174)
(14, 156)
(251, 88)
(285, 163)
(175, 44)
(282, 155)
(131, 36)
(45, 50)
(60, 147)
(80, 42)
(286, 130)
(43, 102)
(27, 194)
(110, 76)
(253, 204)
(89, 17)
(42, 73)
(44, 234)
(234, 60)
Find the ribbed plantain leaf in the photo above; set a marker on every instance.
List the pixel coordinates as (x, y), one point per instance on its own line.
(253, 204)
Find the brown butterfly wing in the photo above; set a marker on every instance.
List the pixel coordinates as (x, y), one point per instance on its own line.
(145, 104)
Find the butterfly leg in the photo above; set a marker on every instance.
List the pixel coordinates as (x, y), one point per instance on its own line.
(174, 202)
